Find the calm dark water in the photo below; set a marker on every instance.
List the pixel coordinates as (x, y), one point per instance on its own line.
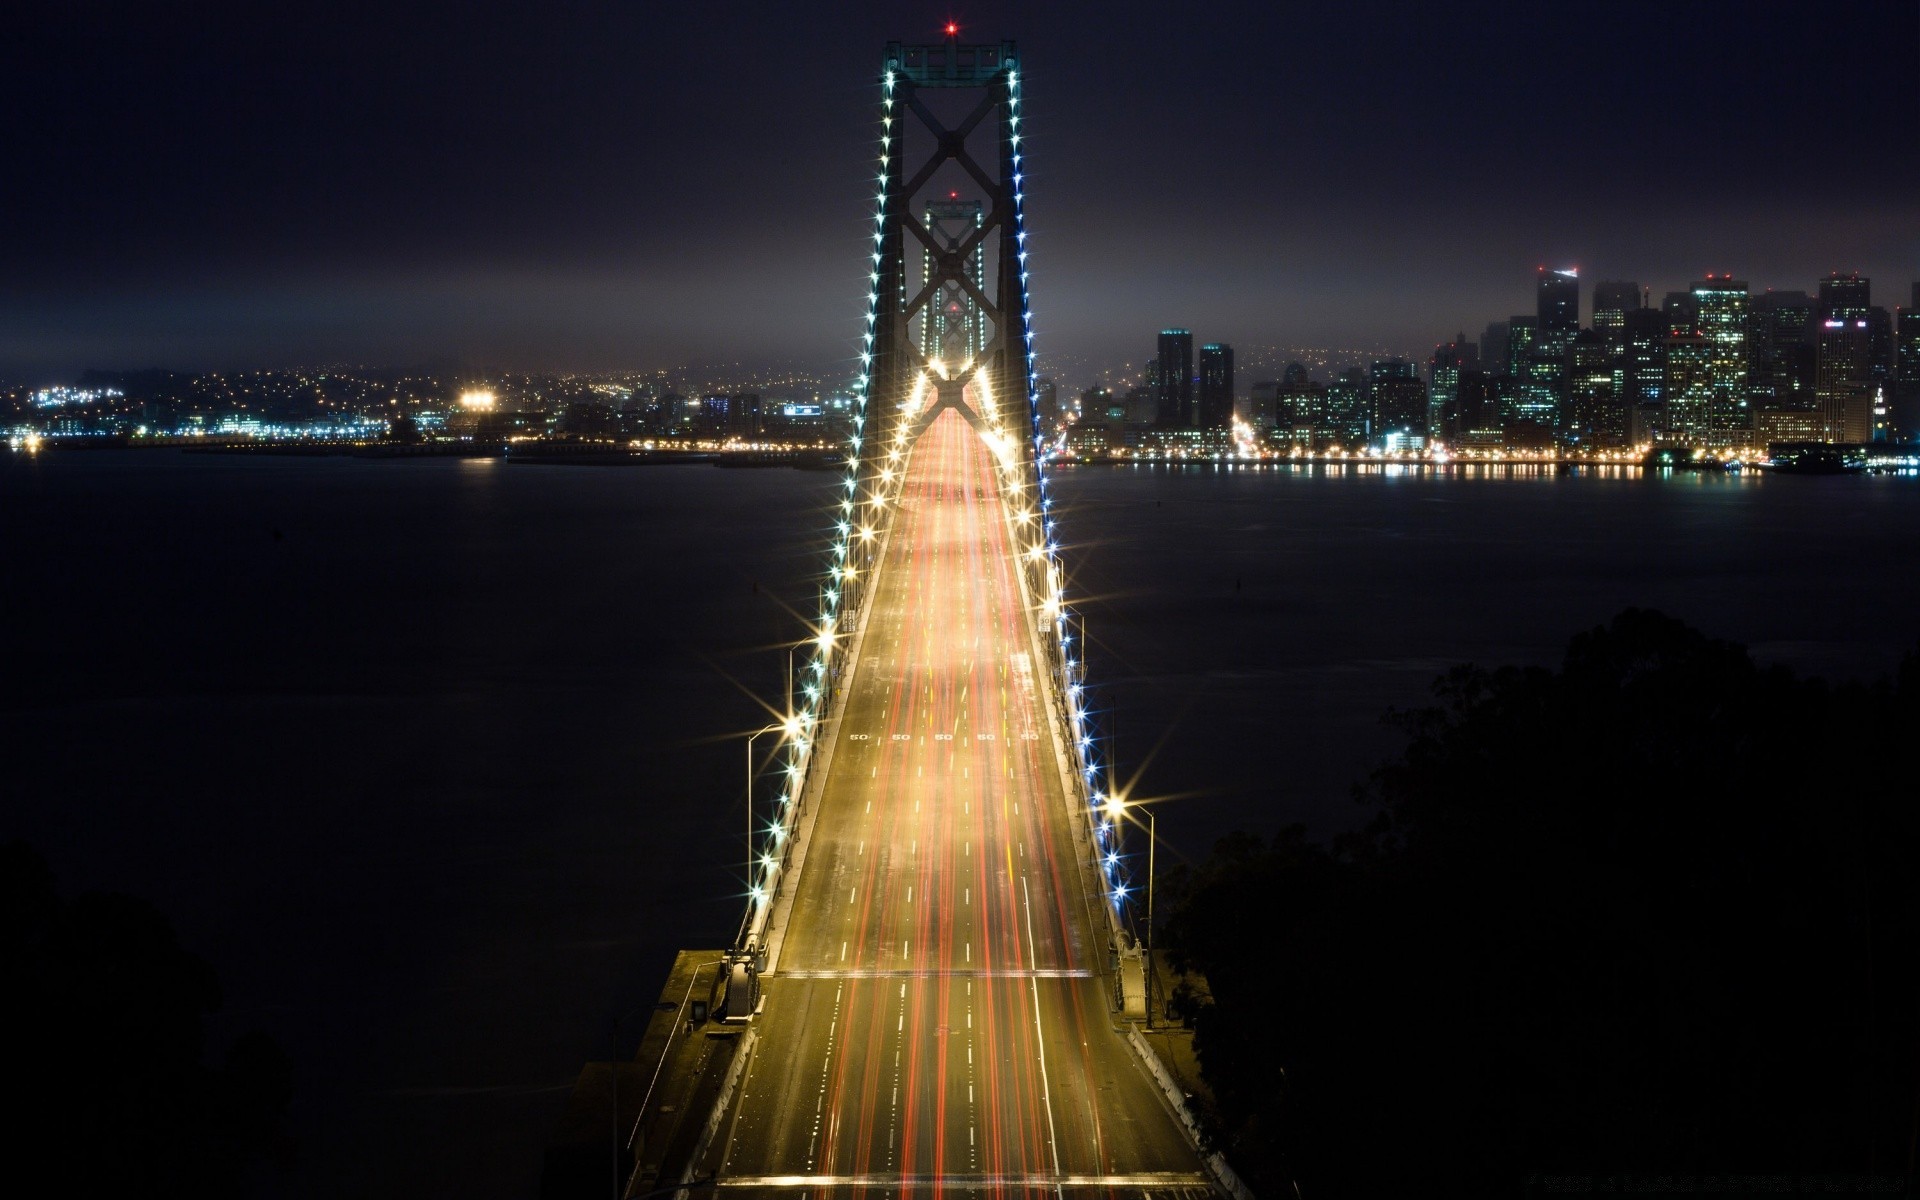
(432, 760)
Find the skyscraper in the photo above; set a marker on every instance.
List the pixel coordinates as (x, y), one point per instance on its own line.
(1906, 370)
(1216, 386)
(1591, 417)
(1493, 347)
(1344, 417)
(1397, 401)
(1842, 386)
(1557, 294)
(1443, 382)
(1689, 401)
(1534, 360)
(1640, 374)
(1173, 380)
(1299, 407)
(1720, 307)
(1780, 350)
(1543, 378)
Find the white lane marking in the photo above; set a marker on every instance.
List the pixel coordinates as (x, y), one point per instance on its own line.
(843, 952)
(851, 891)
(1040, 1036)
(949, 1182)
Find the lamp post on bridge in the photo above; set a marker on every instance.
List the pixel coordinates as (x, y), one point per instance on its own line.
(785, 726)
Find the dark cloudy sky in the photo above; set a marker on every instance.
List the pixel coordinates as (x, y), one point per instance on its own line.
(607, 183)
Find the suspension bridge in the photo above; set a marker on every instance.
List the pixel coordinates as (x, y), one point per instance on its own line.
(930, 987)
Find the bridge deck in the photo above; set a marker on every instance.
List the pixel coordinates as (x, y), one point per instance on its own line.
(937, 1019)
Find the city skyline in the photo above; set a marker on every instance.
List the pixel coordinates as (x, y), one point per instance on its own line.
(393, 187)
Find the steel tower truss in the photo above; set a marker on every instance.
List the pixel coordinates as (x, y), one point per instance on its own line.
(896, 365)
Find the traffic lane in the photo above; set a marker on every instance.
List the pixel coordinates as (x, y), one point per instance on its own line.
(964, 1096)
(927, 771)
(850, 1098)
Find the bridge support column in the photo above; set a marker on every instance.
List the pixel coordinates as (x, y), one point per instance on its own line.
(1133, 984)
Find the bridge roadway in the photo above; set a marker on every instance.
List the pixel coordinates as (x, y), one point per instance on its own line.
(937, 1019)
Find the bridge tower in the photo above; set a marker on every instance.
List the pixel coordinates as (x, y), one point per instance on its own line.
(948, 110)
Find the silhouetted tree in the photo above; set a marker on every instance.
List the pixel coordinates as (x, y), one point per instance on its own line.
(1654, 911)
(104, 1031)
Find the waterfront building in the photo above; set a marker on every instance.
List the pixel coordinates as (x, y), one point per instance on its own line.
(1344, 415)
(1397, 400)
(1443, 381)
(1843, 387)
(1780, 351)
(1592, 417)
(1906, 370)
(1720, 308)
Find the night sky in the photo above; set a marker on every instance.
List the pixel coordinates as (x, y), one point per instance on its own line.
(613, 184)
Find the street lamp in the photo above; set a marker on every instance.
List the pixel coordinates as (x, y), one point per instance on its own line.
(786, 726)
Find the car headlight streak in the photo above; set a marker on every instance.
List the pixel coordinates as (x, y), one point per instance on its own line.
(860, 516)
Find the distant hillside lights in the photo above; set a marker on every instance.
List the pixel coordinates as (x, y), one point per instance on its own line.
(68, 397)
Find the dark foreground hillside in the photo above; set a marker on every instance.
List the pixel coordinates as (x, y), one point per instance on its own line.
(1653, 914)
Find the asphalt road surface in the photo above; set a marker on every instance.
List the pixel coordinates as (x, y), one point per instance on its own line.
(937, 1017)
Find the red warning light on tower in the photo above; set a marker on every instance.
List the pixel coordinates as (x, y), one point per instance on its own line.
(953, 28)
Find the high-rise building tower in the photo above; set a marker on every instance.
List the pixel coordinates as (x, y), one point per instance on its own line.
(1591, 417)
(1780, 347)
(1558, 295)
(1493, 348)
(1535, 360)
(1543, 377)
(1443, 382)
(1720, 308)
(1397, 405)
(952, 328)
(1640, 373)
(1216, 386)
(1842, 385)
(1906, 370)
(1173, 380)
